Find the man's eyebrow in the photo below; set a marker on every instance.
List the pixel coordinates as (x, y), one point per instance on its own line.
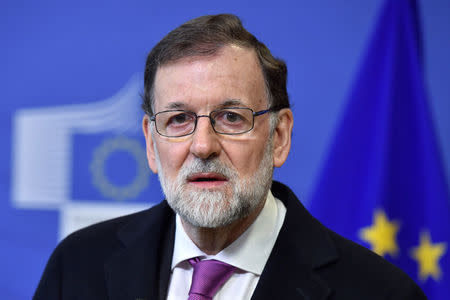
(175, 105)
(184, 106)
(231, 102)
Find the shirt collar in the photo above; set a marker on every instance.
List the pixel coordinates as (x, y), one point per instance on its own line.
(249, 252)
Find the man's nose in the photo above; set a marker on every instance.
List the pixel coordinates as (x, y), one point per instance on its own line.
(205, 142)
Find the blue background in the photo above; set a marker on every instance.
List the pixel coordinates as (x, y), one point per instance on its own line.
(57, 53)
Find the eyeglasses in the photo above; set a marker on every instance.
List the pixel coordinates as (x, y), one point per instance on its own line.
(232, 120)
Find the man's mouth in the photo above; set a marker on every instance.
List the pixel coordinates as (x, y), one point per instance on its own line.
(207, 180)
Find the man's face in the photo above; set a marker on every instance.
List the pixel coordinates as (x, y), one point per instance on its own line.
(209, 174)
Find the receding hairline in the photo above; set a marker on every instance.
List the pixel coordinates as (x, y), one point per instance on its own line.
(215, 52)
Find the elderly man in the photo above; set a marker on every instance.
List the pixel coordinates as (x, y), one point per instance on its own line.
(217, 122)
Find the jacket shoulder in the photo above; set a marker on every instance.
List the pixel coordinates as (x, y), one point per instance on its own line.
(359, 269)
(350, 270)
(80, 258)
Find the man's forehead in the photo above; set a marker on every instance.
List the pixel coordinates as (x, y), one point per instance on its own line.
(210, 54)
(234, 74)
(239, 55)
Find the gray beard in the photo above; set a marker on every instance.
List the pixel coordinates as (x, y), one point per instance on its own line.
(212, 208)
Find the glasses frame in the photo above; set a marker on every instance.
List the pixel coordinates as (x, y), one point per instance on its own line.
(211, 120)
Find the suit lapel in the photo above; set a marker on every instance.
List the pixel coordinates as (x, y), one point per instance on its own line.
(140, 270)
(301, 247)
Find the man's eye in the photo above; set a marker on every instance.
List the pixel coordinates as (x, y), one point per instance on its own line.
(232, 117)
(177, 119)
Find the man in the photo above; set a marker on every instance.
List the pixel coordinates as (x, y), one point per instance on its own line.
(217, 122)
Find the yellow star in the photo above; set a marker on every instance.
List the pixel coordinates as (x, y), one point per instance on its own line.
(427, 256)
(381, 235)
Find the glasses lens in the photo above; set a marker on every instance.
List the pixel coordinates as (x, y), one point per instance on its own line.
(175, 123)
(233, 120)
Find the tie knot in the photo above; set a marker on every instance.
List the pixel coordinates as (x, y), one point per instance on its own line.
(208, 277)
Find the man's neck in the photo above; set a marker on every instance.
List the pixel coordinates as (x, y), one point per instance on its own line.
(213, 240)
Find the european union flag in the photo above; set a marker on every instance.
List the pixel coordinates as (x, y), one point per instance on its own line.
(383, 183)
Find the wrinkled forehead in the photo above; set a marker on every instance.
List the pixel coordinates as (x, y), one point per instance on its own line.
(233, 72)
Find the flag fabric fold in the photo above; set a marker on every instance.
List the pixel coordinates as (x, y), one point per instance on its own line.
(383, 183)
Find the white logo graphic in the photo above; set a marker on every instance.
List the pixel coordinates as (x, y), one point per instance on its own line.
(42, 162)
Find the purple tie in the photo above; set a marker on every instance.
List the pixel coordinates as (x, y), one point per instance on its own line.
(208, 277)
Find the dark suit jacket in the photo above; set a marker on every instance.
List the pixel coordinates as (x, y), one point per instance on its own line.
(130, 257)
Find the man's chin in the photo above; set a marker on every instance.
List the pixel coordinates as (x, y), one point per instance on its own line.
(215, 221)
(207, 208)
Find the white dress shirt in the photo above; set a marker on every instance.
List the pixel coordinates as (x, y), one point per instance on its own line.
(249, 253)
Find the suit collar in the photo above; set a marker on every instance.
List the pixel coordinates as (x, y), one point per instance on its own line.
(139, 270)
(302, 247)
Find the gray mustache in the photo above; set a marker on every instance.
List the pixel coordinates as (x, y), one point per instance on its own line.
(206, 166)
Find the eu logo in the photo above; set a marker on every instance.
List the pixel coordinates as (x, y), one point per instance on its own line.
(86, 161)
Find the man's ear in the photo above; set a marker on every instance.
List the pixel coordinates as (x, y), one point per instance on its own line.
(282, 137)
(151, 158)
